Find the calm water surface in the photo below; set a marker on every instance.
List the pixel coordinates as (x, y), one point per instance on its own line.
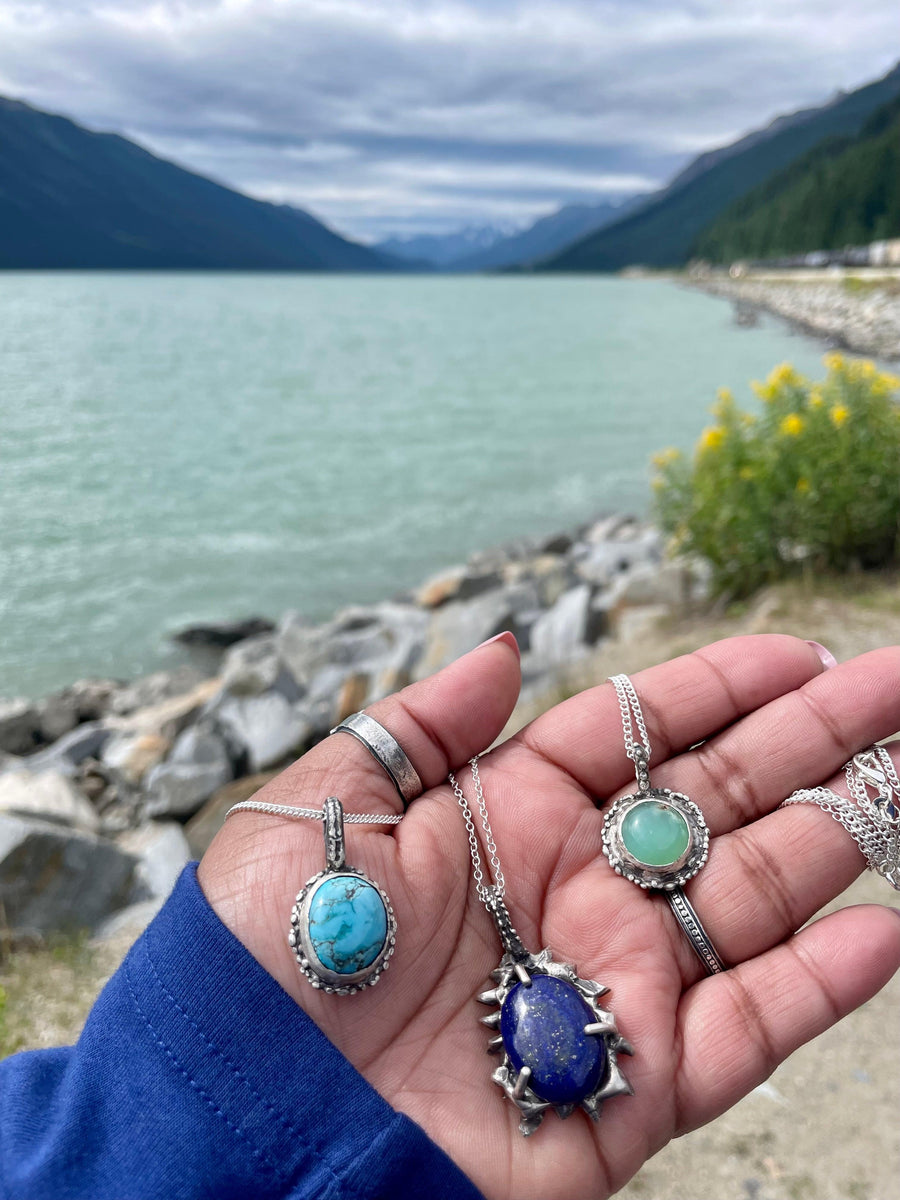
(181, 447)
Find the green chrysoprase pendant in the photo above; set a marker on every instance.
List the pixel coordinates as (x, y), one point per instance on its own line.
(655, 833)
(657, 838)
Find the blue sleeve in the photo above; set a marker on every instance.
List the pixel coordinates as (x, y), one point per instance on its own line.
(196, 1075)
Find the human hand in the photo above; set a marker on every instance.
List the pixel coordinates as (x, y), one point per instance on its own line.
(770, 721)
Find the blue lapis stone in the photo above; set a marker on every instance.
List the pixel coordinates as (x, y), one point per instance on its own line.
(542, 1026)
(347, 923)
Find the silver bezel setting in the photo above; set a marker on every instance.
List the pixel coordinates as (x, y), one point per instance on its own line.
(320, 976)
(515, 1083)
(671, 875)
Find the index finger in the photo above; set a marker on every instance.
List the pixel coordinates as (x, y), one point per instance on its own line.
(684, 701)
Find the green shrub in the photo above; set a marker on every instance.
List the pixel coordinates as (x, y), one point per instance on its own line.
(811, 481)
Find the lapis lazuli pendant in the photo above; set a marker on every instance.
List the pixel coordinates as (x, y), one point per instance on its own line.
(343, 927)
(560, 1048)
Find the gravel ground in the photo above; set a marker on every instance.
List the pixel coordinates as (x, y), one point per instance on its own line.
(822, 1127)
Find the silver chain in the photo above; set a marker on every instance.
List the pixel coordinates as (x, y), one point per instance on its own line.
(312, 814)
(499, 886)
(632, 718)
(872, 821)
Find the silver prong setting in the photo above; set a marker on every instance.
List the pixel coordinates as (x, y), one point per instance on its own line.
(515, 1083)
(521, 1083)
(600, 1028)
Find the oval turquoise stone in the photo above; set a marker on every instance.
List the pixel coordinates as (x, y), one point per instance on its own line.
(542, 1027)
(655, 833)
(347, 923)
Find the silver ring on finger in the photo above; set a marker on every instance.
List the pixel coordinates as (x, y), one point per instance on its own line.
(387, 751)
(692, 926)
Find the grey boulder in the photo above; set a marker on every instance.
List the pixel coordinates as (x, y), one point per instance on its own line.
(20, 726)
(48, 795)
(170, 716)
(602, 562)
(68, 752)
(93, 697)
(668, 583)
(199, 763)
(58, 714)
(130, 755)
(460, 626)
(265, 729)
(254, 666)
(53, 878)
(154, 689)
(221, 634)
(560, 634)
(374, 639)
(162, 851)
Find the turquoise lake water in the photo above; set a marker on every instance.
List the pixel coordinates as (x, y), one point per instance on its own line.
(181, 447)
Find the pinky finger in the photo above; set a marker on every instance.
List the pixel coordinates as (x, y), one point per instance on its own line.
(736, 1027)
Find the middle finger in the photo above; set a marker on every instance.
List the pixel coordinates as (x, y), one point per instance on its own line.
(764, 881)
(797, 740)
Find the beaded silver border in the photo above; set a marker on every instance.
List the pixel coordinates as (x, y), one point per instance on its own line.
(645, 876)
(316, 972)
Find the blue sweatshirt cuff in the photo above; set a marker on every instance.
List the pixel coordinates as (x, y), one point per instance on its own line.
(197, 1075)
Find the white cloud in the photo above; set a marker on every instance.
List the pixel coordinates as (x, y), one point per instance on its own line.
(434, 106)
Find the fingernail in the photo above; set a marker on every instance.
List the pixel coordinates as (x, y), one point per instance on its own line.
(828, 659)
(507, 637)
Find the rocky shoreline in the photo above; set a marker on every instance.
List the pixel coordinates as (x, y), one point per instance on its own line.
(107, 789)
(864, 318)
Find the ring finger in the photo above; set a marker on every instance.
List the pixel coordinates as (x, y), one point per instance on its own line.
(796, 740)
(764, 881)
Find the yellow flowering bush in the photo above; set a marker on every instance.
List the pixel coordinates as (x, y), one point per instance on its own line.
(812, 480)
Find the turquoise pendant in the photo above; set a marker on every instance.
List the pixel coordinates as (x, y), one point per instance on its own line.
(343, 927)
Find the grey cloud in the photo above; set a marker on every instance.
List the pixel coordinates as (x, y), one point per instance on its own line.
(350, 106)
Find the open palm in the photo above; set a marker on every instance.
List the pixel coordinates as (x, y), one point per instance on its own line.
(770, 721)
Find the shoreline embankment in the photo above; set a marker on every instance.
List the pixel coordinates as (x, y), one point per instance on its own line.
(110, 787)
(856, 310)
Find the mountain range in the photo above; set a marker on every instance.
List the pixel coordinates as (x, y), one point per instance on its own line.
(442, 250)
(662, 232)
(492, 248)
(74, 198)
(70, 197)
(842, 192)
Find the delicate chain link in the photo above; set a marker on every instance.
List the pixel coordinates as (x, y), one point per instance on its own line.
(630, 707)
(872, 822)
(313, 814)
(499, 886)
(876, 767)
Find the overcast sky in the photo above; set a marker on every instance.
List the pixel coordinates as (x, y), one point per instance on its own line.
(386, 116)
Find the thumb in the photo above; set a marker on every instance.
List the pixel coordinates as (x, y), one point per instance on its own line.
(440, 722)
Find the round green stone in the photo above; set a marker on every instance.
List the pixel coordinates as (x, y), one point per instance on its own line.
(656, 834)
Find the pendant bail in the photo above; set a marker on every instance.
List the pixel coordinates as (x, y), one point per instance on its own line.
(333, 823)
(641, 759)
(512, 943)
